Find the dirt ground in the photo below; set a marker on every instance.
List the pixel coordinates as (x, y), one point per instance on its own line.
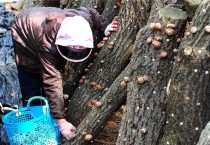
(109, 134)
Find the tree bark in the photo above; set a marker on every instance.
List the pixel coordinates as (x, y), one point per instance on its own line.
(204, 137)
(189, 86)
(171, 107)
(111, 9)
(51, 3)
(145, 112)
(114, 97)
(115, 60)
(74, 71)
(97, 4)
(191, 6)
(24, 4)
(96, 119)
(70, 3)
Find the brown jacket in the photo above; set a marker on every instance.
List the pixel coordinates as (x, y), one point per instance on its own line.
(34, 33)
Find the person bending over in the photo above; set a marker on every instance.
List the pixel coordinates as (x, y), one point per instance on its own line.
(43, 39)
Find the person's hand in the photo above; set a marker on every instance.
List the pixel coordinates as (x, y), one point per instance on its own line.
(67, 130)
(111, 27)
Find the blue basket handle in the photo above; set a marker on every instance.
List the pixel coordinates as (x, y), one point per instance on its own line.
(37, 97)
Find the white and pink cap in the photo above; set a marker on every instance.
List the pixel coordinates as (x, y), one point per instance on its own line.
(75, 34)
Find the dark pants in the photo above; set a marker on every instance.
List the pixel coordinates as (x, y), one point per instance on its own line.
(31, 84)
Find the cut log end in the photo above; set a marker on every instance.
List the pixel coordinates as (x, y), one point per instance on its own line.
(193, 2)
(172, 13)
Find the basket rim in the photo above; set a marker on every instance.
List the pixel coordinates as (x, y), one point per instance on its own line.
(12, 113)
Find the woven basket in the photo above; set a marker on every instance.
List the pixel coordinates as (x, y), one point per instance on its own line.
(33, 126)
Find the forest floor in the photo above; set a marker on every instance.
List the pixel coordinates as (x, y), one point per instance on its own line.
(108, 136)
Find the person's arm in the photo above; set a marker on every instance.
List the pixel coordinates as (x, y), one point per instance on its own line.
(52, 65)
(52, 82)
(102, 23)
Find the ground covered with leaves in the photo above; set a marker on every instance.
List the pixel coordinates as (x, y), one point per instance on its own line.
(109, 134)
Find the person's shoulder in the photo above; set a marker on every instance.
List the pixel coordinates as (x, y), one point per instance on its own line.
(56, 14)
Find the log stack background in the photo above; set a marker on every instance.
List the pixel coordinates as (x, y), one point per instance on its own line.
(171, 107)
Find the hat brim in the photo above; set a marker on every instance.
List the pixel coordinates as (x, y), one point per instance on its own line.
(72, 60)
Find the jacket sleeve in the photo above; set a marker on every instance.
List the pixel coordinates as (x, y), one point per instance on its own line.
(52, 83)
(51, 66)
(99, 22)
